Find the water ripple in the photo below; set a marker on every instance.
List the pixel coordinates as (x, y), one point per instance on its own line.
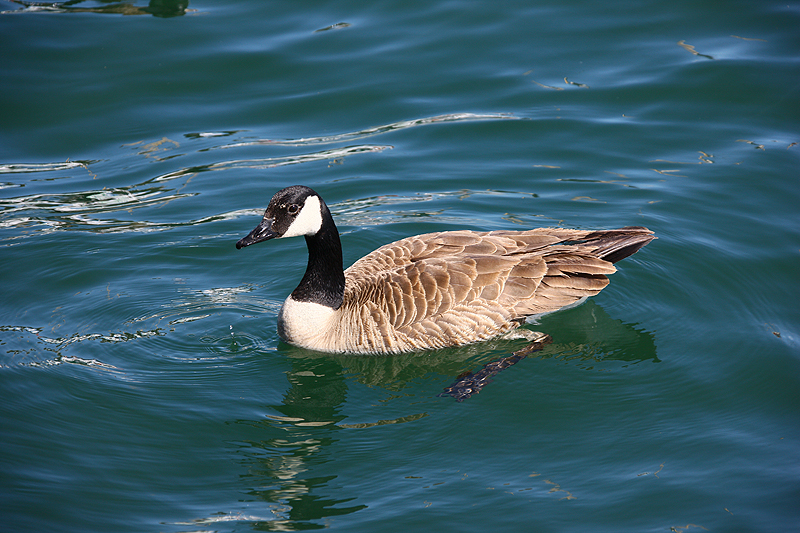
(273, 162)
(56, 211)
(376, 130)
(14, 168)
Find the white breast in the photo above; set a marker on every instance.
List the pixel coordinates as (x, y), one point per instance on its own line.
(305, 324)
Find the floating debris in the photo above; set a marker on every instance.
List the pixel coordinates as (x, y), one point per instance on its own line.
(690, 48)
(575, 83)
(748, 38)
(548, 86)
(337, 26)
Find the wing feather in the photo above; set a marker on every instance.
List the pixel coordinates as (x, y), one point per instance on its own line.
(435, 289)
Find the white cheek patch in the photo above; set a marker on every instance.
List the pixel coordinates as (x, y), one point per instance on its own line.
(309, 221)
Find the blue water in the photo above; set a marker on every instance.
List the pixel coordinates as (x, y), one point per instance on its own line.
(143, 384)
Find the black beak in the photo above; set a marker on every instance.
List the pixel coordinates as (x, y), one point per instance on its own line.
(262, 232)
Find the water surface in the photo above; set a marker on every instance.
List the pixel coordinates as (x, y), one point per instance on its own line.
(145, 387)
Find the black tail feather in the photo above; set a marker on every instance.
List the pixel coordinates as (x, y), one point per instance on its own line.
(615, 245)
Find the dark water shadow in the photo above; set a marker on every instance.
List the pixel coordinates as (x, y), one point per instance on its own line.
(157, 8)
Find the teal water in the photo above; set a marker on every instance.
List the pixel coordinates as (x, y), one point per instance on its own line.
(144, 387)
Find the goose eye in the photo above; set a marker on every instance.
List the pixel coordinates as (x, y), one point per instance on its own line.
(293, 209)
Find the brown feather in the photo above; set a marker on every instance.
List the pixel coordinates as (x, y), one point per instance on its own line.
(451, 288)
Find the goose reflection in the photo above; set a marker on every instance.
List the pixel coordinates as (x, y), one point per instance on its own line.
(291, 462)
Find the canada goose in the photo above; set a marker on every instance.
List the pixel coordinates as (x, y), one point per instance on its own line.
(433, 290)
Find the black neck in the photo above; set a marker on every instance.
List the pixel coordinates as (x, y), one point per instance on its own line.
(323, 282)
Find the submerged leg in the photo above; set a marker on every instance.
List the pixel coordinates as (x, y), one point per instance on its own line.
(470, 383)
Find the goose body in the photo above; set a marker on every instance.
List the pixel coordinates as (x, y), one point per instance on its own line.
(432, 290)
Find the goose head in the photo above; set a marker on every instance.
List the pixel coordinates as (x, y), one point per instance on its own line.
(293, 211)
(298, 210)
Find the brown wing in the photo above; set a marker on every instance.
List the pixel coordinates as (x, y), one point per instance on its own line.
(458, 287)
